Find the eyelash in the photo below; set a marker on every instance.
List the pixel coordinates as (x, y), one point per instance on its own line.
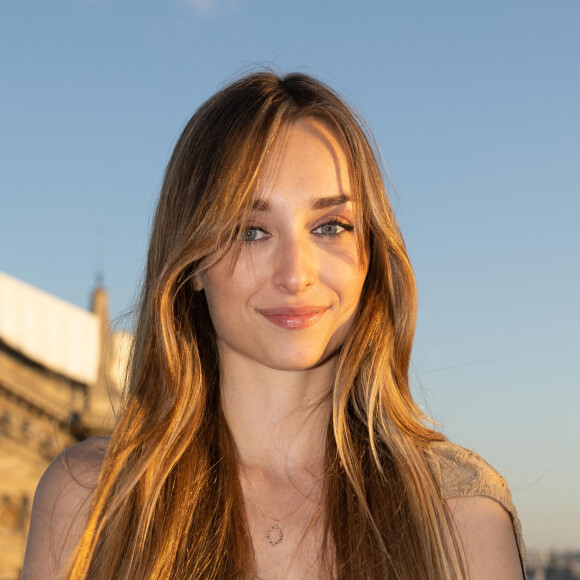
(332, 222)
(335, 222)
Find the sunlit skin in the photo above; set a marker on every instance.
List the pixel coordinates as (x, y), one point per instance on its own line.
(281, 311)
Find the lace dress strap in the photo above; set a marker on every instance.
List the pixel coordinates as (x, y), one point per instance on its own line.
(461, 472)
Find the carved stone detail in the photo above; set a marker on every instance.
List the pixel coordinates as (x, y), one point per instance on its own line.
(41, 413)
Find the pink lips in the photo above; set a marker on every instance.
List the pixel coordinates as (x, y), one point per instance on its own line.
(294, 317)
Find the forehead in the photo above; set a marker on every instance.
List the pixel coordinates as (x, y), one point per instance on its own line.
(306, 159)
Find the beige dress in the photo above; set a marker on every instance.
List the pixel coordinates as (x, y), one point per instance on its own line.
(463, 473)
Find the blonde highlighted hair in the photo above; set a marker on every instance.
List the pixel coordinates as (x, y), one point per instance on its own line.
(168, 503)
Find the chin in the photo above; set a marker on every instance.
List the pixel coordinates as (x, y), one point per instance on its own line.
(300, 361)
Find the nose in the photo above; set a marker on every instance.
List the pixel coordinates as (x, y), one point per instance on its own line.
(295, 266)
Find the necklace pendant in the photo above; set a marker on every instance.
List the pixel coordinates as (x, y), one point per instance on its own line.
(275, 530)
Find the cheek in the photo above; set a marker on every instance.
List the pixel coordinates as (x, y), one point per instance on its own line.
(227, 293)
(216, 293)
(360, 275)
(344, 267)
(352, 296)
(220, 298)
(347, 278)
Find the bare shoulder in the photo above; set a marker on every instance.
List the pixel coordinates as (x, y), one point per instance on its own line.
(487, 535)
(481, 504)
(80, 464)
(73, 473)
(62, 503)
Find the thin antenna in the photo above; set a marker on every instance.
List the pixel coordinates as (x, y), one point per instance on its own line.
(100, 258)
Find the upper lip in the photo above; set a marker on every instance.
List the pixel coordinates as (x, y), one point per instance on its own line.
(291, 310)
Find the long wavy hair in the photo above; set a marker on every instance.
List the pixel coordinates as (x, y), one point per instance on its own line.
(168, 503)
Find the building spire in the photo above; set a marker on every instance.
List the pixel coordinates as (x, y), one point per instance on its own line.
(100, 259)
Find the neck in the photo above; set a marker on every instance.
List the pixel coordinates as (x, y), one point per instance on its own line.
(278, 419)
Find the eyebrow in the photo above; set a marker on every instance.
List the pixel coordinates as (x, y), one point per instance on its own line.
(320, 203)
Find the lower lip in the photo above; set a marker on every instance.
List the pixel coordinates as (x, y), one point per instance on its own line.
(294, 322)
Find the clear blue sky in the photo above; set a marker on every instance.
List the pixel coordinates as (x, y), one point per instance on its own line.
(476, 106)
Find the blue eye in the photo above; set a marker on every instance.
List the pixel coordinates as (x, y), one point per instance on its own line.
(252, 234)
(333, 228)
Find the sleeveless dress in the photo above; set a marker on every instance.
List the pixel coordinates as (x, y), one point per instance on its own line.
(461, 472)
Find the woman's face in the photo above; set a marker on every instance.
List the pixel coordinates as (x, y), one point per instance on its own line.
(289, 299)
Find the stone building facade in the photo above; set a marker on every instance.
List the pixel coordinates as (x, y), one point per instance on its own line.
(61, 377)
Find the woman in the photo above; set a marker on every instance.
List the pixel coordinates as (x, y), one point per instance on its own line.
(268, 430)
